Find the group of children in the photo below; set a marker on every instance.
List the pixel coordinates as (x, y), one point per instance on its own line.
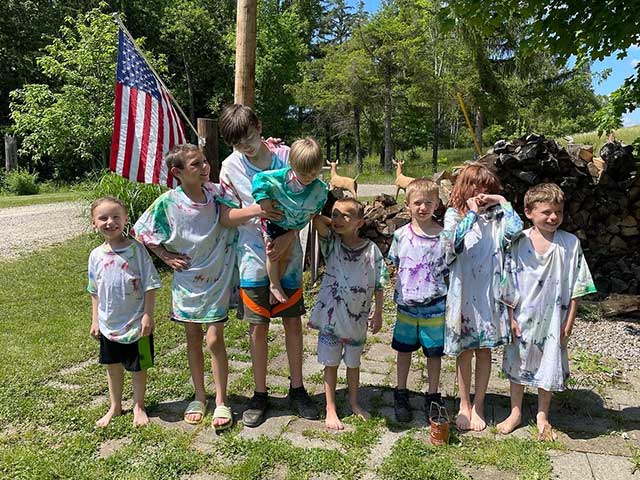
(476, 284)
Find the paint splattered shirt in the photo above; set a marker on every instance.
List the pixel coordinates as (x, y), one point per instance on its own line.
(351, 277)
(120, 278)
(298, 206)
(541, 288)
(474, 247)
(202, 293)
(236, 176)
(421, 267)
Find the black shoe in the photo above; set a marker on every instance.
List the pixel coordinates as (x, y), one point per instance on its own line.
(255, 412)
(401, 405)
(300, 401)
(432, 397)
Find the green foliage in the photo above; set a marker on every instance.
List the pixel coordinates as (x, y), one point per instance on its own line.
(137, 197)
(21, 182)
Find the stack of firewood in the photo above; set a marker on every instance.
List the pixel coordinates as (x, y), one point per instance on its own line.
(603, 199)
(383, 217)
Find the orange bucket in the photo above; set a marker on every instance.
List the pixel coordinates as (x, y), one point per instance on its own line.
(439, 432)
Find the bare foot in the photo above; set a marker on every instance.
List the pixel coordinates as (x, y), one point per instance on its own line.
(545, 431)
(463, 421)
(360, 412)
(219, 422)
(510, 423)
(477, 420)
(113, 412)
(140, 417)
(277, 294)
(332, 422)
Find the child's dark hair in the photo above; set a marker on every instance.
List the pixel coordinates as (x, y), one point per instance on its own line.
(108, 199)
(177, 155)
(235, 121)
(472, 176)
(359, 208)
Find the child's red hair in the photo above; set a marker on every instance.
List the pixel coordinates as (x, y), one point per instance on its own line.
(472, 176)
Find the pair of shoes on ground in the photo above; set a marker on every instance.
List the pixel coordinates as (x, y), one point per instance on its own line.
(299, 401)
(402, 408)
(197, 407)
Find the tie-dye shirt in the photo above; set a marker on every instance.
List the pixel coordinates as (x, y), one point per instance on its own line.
(298, 206)
(541, 287)
(421, 267)
(202, 293)
(119, 279)
(351, 277)
(236, 176)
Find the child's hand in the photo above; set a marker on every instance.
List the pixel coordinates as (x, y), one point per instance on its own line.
(489, 200)
(146, 325)
(269, 209)
(176, 261)
(375, 322)
(94, 330)
(565, 333)
(473, 204)
(515, 329)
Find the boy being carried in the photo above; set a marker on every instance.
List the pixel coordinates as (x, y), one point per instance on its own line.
(183, 227)
(355, 273)
(420, 293)
(547, 274)
(299, 193)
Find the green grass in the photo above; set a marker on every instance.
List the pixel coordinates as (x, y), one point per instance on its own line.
(7, 201)
(626, 135)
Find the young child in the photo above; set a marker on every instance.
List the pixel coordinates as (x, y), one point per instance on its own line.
(355, 273)
(420, 293)
(183, 228)
(477, 228)
(298, 192)
(240, 128)
(549, 274)
(122, 284)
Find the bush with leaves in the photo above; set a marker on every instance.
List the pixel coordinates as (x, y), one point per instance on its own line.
(21, 182)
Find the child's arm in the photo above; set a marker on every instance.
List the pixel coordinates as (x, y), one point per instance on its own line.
(375, 320)
(512, 221)
(515, 328)
(94, 330)
(567, 326)
(176, 261)
(322, 224)
(147, 318)
(232, 217)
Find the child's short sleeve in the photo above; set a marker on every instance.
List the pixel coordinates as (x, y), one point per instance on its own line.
(228, 193)
(149, 274)
(382, 272)
(92, 286)
(392, 255)
(583, 284)
(261, 186)
(153, 226)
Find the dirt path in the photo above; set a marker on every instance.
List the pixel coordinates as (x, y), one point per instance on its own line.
(26, 229)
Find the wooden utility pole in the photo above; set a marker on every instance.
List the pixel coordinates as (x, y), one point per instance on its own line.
(208, 129)
(245, 86)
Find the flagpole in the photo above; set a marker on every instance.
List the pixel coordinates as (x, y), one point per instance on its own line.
(116, 16)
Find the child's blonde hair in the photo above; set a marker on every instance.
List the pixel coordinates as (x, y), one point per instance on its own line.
(177, 156)
(107, 199)
(543, 193)
(472, 176)
(421, 185)
(305, 156)
(359, 207)
(235, 121)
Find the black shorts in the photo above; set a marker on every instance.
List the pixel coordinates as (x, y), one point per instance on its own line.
(271, 231)
(134, 357)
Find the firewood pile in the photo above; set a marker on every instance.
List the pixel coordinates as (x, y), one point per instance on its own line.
(603, 199)
(383, 217)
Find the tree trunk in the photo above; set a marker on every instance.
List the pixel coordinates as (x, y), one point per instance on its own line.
(327, 136)
(356, 134)
(436, 137)
(478, 130)
(388, 139)
(337, 149)
(10, 152)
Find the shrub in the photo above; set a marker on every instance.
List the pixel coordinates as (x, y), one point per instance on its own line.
(21, 182)
(136, 196)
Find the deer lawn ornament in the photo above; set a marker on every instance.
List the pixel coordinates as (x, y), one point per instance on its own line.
(338, 181)
(401, 181)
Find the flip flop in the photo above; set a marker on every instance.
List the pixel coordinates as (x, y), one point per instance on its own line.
(547, 434)
(222, 411)
(194, 407)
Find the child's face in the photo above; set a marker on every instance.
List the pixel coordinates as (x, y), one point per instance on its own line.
(250, 144)
(307, 178)
(344, 219)
(195, 172)
(422, 205)
(546, 217)
(109, 219)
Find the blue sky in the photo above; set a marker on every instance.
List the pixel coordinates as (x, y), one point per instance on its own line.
(620, 69)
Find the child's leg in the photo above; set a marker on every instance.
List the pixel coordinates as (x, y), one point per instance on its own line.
(544, 402)
(258, 344)
(404, 364)
(219, 366)
(463, 371)
(434, 365)
(352, 356)
(330, 380)
(293, 344)
(274, 272)
(115, 379)
(483, 372)
(514, 419)
(195, 357)
(139, 380)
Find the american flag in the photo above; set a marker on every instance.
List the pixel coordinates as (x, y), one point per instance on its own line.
(146, 125)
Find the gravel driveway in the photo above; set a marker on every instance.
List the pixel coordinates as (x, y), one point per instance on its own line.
(26, 229)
